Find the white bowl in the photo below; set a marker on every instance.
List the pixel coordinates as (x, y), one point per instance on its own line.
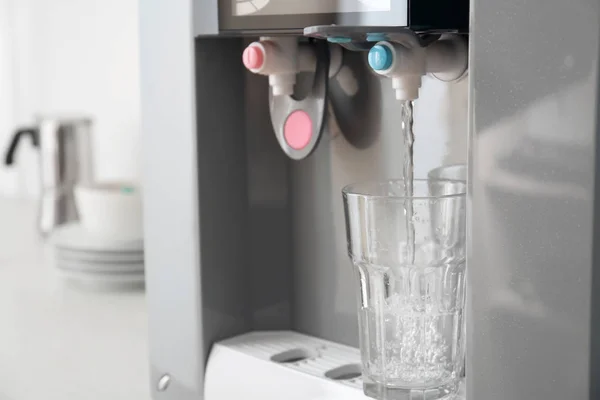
(111, 209)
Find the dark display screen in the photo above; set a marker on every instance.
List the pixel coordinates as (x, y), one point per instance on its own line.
(265, 17)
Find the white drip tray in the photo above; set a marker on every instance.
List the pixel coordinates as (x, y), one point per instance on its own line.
(282, 365)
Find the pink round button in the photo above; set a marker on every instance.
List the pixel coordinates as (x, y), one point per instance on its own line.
(297, 129)
(253, 57)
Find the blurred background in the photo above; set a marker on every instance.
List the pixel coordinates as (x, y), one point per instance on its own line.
(65, 56)
(77, 331)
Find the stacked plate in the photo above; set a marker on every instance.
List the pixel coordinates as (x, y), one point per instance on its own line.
(101, 261)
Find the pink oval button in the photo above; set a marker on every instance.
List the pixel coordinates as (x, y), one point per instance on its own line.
(253, 57)
(297, 129)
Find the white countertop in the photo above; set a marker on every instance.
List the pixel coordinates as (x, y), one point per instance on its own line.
(57, 341)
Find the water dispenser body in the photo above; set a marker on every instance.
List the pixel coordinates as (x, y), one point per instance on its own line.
(249, 239)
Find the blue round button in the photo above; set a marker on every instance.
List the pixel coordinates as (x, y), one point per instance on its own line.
(380, 57)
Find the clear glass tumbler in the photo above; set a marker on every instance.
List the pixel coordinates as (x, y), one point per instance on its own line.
(457, 172)
(408, 251)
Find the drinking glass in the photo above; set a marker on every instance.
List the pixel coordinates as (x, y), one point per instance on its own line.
(457, 172)
(407, 245)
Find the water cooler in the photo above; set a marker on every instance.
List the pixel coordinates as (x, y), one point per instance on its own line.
(256, 113)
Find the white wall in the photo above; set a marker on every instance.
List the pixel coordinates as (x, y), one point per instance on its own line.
(72, 56)
(8, 183)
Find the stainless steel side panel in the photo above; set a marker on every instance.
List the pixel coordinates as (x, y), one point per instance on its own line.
(533, 81)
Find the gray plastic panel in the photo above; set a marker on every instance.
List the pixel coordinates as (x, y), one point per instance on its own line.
(244, 241)
(534, 81)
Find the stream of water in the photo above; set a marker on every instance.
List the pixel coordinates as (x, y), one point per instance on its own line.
(406, 126)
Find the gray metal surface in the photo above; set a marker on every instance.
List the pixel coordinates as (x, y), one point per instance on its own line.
(66, 156)
(170, 179)
(595, 314)
(532, 170)
(65, 160)
(205, 14)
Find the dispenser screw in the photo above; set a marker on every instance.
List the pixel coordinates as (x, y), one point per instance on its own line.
(163, 382)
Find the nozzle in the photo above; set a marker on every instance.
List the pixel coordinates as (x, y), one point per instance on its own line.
(281, 58)
(404, 65)
(276, 58)
(445, 59)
